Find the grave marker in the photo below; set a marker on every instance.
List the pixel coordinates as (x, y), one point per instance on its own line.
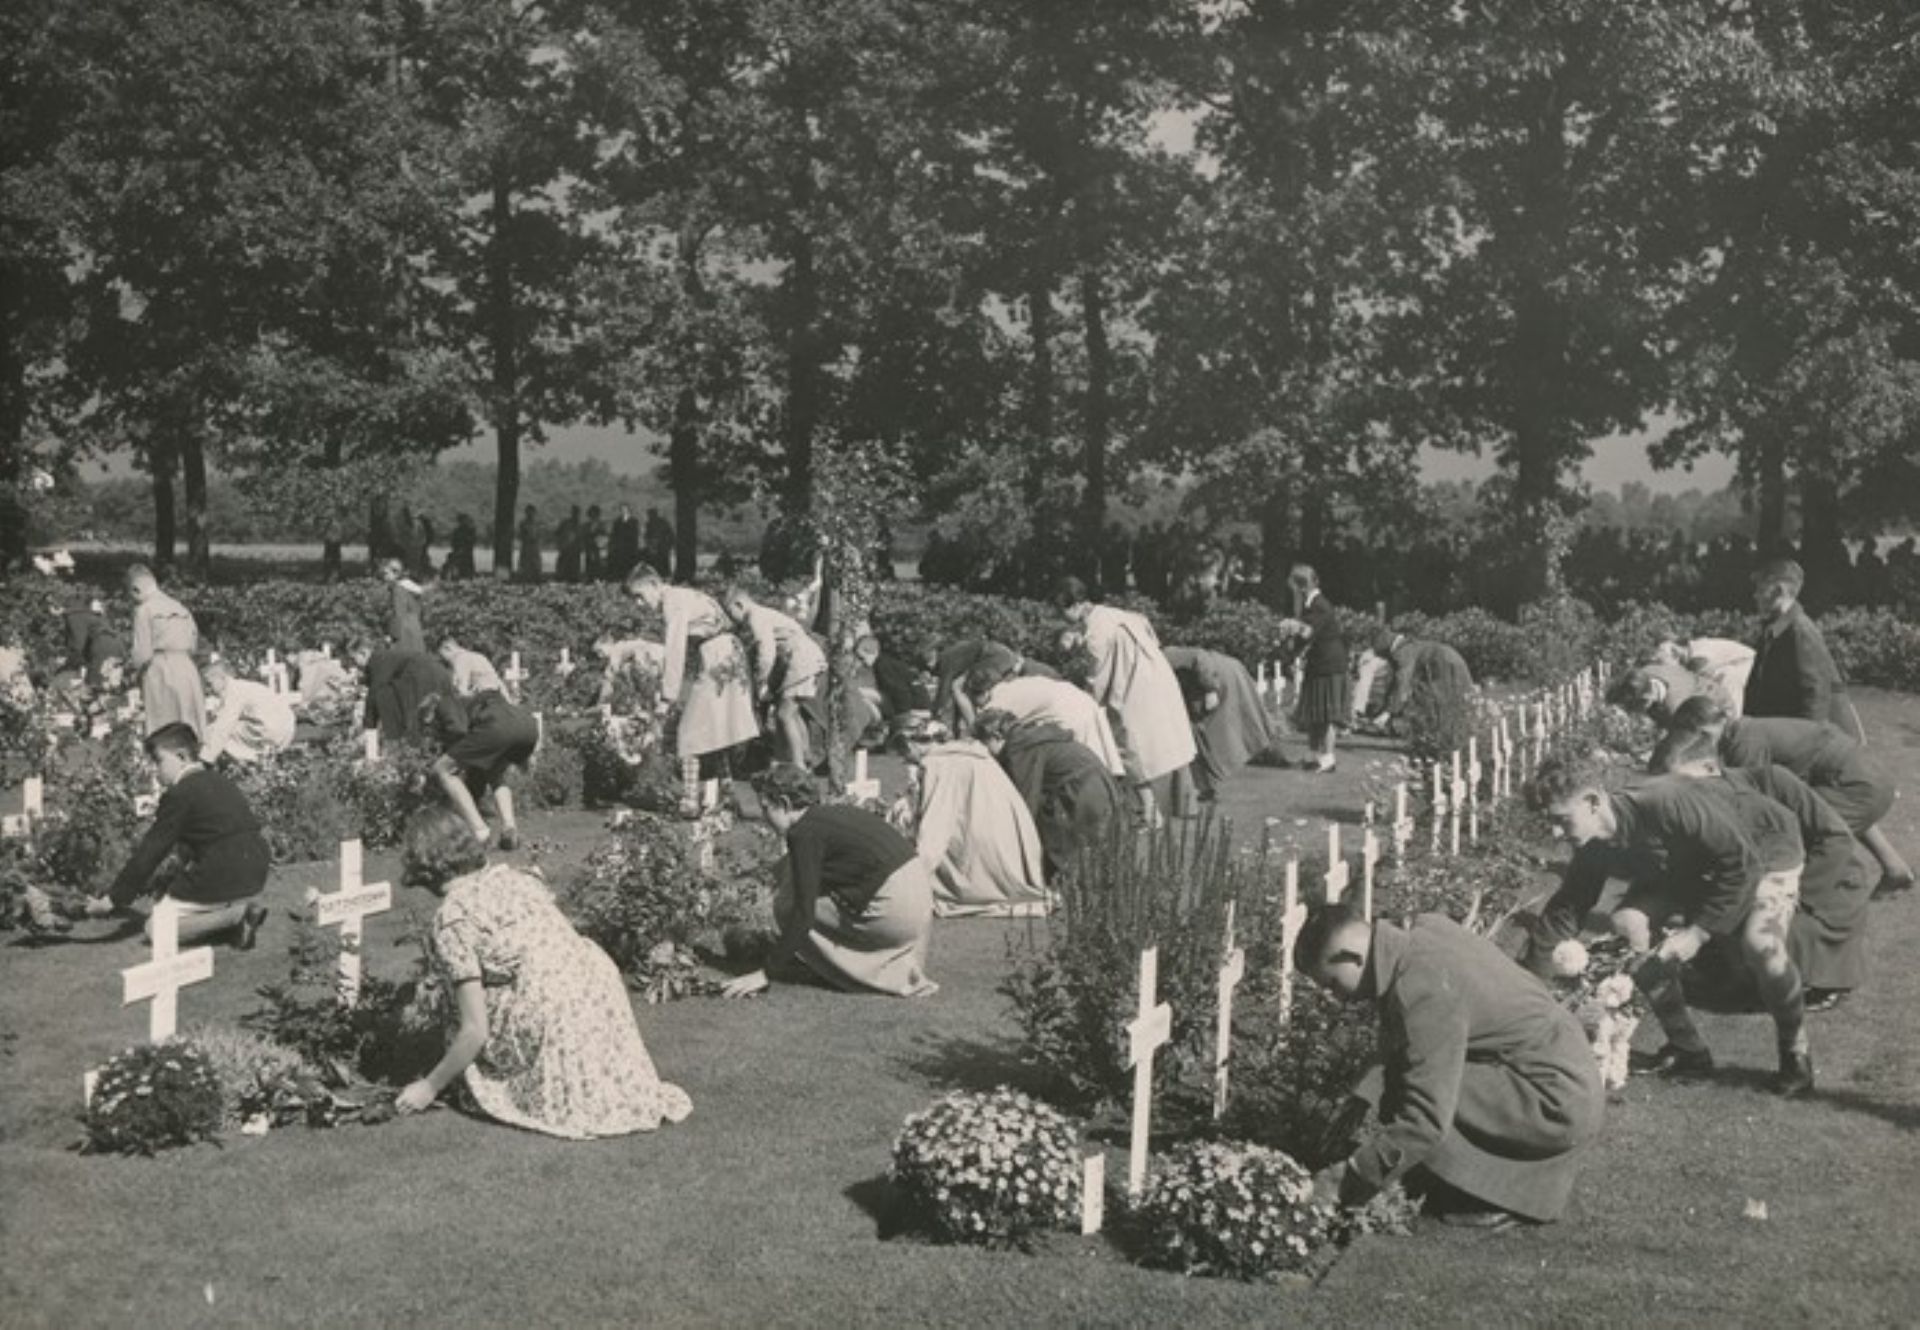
(1402, 823)
(1147, 1032)
(514, 676)
(862, 786)
(1338, 874)
(1233, 968)
(1369, 857)
(1439, 802)
(1473, 789)
(1456, 799)
(160, 980)
(348, 908)
(1292, 915)
(1093, 1193)
(370, 745)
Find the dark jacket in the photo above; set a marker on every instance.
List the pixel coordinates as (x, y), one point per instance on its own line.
(207, 818)
(1433, 669)
(1068, 789)
(1327, 650)
(1794, 674)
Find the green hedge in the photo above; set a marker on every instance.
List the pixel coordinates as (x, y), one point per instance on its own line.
(1874, 647)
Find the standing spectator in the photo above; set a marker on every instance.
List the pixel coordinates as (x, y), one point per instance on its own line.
(164, 640)
(403, 609)
(566, 547)
(593, 542)
(459, 564)
(1324, 703)
(420, 549)
(623, 544)
(657, 544)
(1793, 672)
(531, 569)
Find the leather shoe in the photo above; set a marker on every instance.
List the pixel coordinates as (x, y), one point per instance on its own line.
(1796, 1075)
(1681, 1063)
(250, 927)
(1826, 999)
(1487, 1221)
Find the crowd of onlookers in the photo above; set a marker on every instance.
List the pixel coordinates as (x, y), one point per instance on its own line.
(586, 546)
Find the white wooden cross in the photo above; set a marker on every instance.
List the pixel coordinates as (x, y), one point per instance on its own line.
(1502, 761)
(1093, 1193)
(370, 745)
(1293, 916)
(1262, 684)
(32, 807)
(1539, 735)
(1474, 772)
(1233, 968)
(1456, 801)
(862, 786)
(1146, 1033)
(348, 908)
(160, 980)
(1439, 803)
(1519, 750)
(565, 667)
(1402, 823)
(326, 649)
(1339, 874)
(514, 676)
(1369, 857)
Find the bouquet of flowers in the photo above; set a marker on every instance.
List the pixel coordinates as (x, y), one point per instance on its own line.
(1233, 1209)
(153, 1097)
(993, 1169)
(1596, 986)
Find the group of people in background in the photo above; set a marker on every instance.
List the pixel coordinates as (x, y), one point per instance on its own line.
(586, 546)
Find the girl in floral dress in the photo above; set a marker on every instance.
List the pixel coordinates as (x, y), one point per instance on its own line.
(546, 1038)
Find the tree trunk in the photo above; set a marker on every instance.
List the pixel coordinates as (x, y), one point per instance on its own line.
(1823, 548)
(1040, 412)
(330, 538)
(1770, 531)
(502, 338)
(162, 462)
(1099, 422)
(1275, 531)
(193, 467)
(803, 313)
(13, 423)
(683, 476)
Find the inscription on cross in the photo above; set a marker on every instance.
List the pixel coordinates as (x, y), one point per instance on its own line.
(1147, 1033)
(347, 909)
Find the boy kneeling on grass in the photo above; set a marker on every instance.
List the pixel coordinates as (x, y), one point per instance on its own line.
(1491, 1092)
(203, 813)
(1691, 853)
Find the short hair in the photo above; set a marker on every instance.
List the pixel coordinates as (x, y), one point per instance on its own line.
(736, 590)
(440, 846)
(1068, 592)
(1383, 641)
(1781, 572)
(994, 724)
(179, 737)
(785, 783)
(1632, 691)
(1681, 747)
(1324, 923)
(139, 572)
(643, 574)
(1303, 576)
(984, 677)
(1562, 776)
(1699, 712)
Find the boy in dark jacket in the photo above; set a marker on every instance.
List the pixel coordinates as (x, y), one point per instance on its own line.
(1793, 672)
(203, 814)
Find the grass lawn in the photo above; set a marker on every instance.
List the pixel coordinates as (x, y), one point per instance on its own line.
(764, 1208)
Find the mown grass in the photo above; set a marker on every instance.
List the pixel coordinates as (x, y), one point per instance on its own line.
(766, 1207)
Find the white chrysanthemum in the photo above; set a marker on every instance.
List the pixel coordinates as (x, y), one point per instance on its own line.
(1569, 959)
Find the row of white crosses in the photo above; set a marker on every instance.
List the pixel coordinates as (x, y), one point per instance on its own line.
(33, 807)
(1456, 788)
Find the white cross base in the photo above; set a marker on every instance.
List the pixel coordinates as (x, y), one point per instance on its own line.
(1093, 1193)
(347, 909)
(160, 980)
(370, 745)
(1146, 1033)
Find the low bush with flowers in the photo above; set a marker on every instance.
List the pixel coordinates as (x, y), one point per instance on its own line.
(996, 1169)
(391, 1034)
(1231, 1209)
(154, 1097)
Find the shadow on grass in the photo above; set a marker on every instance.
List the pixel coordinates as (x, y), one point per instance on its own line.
(1904, 1116)
(129, 928)
(883, 1203)
(960, 1063)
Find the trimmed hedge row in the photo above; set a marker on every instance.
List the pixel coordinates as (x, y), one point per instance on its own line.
(1874, 647)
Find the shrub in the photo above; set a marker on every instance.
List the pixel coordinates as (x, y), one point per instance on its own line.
(1232, 1209)
(91, 824)
(642, 897)
(1073, 979)
(994, 1169)
(391, 1035)
(299, 798)
(555, 779)
(249, 1068)
(1293, 1081)
(154, 1097)
(1874, 647)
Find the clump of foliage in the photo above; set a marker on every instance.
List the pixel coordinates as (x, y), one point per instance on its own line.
(154, 1097)
(390, 1035)
(642, 896)
(994, 1169)
(1231, 1209)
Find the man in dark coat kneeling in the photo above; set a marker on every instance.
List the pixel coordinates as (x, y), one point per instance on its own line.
(1490, 1087)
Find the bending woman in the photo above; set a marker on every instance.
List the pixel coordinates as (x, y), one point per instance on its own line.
(546, 1037)
(854, 902)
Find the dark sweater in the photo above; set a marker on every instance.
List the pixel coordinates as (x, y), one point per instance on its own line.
(1794, 673)
(206, 816)
(840, 851)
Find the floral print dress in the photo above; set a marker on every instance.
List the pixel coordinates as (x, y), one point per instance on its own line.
(563, 1053)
